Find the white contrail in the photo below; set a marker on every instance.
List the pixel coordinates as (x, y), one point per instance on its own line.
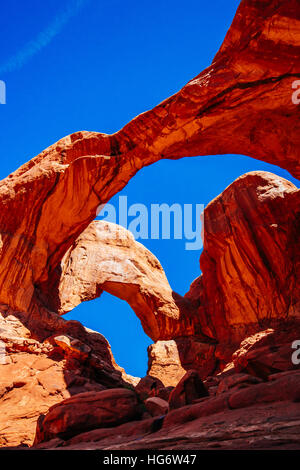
(43, 38)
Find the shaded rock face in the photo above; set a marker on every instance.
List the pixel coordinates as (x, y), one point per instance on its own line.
(267, 352)
(236, 381)
(240, 316)
(149, 387)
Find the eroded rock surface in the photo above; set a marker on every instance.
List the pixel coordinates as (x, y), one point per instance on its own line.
(250, 259)
(250, 253)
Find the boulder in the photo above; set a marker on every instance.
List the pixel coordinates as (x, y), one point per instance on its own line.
(189, 388)
(236, 381)
(106, 257)
(87, 411)
(286, 388)
(157, 406)
(165, 393)
(148, 387)
(268, 352)
(250, 251)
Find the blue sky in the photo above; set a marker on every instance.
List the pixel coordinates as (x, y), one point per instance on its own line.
(93, 65)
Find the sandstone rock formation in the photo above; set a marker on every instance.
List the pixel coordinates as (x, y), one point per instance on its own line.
(250, 264)
(236, 381)
(252, 74)
(239, 317)
(169, 360)
(251, 249)
(267, 352)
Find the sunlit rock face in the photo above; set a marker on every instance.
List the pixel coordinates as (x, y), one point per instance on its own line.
(241, 311)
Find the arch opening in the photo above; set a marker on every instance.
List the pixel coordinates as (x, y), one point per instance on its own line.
(115, 319)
